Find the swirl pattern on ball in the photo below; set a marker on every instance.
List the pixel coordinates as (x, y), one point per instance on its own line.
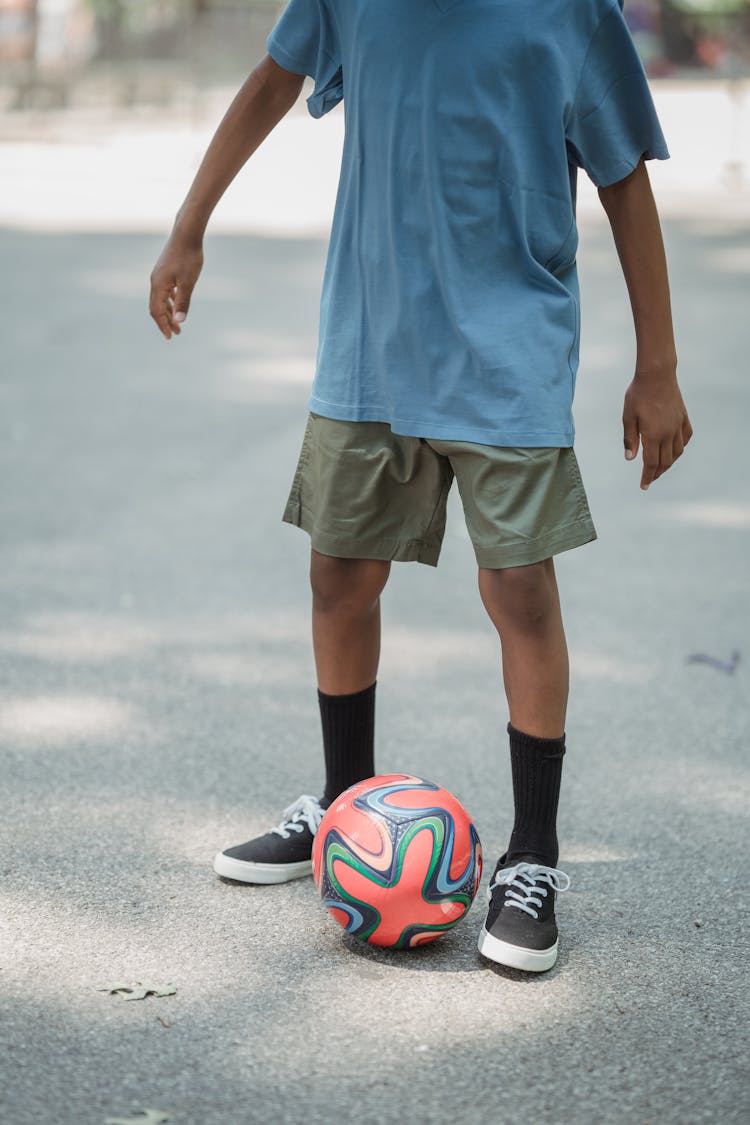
(397, 861)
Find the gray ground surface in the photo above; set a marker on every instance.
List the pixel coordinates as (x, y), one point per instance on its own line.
(158, 702)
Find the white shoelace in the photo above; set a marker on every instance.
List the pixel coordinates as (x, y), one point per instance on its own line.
(305, 810)
(527, 879)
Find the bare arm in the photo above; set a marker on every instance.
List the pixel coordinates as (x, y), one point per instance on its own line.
(654, 411)
(266, 96)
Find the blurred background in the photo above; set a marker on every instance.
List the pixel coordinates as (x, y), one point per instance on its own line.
(144, 83)
(72, 52)
(56, 49)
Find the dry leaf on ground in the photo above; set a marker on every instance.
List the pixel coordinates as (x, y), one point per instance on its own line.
(140, 990)
(143, 1117)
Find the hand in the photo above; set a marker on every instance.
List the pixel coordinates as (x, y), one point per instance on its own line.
(655, 414)
(172, 282)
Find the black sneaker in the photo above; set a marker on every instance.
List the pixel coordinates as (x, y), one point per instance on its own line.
(520, 929)
(283, 853)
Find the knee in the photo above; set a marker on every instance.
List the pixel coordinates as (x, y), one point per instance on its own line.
(522, 597)
(346, 585)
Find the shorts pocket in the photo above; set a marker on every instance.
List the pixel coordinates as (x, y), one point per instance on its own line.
(293, 509)
(576, 485)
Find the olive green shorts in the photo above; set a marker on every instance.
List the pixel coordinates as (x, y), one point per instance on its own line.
(361, 491)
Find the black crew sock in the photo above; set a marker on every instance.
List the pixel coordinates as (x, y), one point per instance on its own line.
(348, 739)
(536, 765)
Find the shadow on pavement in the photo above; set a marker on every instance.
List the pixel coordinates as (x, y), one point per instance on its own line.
(157, 703)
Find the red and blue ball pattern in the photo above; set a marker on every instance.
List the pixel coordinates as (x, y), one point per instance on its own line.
(397, 861)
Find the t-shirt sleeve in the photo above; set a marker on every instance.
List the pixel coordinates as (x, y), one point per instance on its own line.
(304, 41)
(613, 122)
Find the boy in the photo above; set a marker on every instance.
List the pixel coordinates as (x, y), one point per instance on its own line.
(448, 345)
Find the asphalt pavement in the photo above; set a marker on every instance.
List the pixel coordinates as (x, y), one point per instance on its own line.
(157, 703)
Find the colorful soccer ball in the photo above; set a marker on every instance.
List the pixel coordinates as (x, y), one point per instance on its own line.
(397, 861)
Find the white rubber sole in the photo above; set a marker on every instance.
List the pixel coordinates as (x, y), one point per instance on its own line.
(515, 956)
(245, 872)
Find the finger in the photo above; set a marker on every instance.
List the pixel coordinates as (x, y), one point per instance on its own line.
(181, 302)
(666, 457)
(630, 436)
(159, 307)
(174, 326)
(678, 447)
(163, 323)
(650, 463)
(687, 431)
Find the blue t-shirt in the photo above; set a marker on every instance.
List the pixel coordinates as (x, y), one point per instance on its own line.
(450, 300)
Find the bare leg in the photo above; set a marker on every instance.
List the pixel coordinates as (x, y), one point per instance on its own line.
(346, 621)
(524, 606)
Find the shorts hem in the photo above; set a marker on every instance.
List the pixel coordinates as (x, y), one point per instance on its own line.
(536, 550)
(384, 549)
